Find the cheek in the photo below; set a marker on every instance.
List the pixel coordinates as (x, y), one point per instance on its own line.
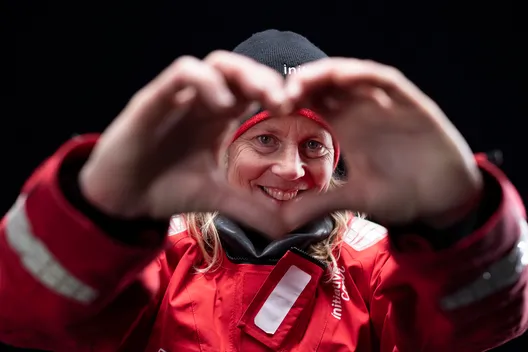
(320, 174)
(244, 165)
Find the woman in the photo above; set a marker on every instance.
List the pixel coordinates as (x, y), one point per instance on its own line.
(86, 265)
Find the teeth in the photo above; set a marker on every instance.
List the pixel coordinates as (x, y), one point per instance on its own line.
(280, 195)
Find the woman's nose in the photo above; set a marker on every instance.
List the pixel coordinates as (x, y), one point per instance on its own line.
(289, 166)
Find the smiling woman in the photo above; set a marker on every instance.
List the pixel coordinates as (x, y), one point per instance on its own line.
(268, 254)
(278, 159)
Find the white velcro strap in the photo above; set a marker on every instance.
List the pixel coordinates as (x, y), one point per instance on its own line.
(500, 275)
(281, 300)
(39, 261)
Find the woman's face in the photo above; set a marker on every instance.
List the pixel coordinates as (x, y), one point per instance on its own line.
(282, 157)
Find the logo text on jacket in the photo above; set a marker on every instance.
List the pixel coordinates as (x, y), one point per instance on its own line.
(340, 293)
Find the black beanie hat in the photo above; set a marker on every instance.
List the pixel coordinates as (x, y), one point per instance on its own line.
(282, 51)
(285, 52)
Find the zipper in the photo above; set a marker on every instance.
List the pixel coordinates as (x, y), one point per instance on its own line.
(309, 257)
(251, 260)
(275, 260)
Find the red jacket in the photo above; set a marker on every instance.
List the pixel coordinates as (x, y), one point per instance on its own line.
(67, 286)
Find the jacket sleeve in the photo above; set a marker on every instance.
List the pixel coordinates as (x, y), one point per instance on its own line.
(472, 296)
(59, 270)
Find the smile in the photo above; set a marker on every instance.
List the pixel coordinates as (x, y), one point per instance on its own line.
(279, 194)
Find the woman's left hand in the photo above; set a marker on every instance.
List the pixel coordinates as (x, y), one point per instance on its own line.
(405, 159)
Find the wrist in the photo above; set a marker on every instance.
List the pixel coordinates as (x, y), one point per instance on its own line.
(99, 193)
(449, 227)
(444, 229)
(467, 204)
(137, 232)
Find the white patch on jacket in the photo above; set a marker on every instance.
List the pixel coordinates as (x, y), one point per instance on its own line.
(362, 234)
(177, 225)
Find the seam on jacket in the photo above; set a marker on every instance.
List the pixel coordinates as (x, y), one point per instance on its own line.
(378, 253)
(348, 250)
(194, 319)
(322, 335)
(181, 236)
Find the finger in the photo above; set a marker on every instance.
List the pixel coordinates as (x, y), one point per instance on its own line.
(347, 73)
(256, 82)
(244, 208)
(323, 99)
(171, 87)
(328, 100)
(373, 94)
(225, 141)
(227, 137)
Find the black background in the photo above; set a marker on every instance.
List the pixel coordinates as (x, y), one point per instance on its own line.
(75, 66)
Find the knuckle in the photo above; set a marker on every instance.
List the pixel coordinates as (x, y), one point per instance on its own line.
(391, 72)
(226, 61)
(142, 96)
(186, 64)
(146, 96)
(219, 57)
(191, 69)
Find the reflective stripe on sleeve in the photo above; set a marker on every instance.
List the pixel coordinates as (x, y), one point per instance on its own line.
(500, 275)
(37, 259)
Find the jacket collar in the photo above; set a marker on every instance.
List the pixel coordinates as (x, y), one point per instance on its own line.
(243, 245)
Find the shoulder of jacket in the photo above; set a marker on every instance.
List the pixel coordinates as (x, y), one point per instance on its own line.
(179, 243)
(177, 226)
(178, 232)
(362, 234)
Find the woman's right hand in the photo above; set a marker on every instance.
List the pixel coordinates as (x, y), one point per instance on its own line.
(164, 154)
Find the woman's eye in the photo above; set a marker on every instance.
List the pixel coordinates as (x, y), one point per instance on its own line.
(314, 149)
(314, 145)
(266, 140)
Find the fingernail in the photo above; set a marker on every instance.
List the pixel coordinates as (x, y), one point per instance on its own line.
(225, 99)
(293, 90)
(277, 97)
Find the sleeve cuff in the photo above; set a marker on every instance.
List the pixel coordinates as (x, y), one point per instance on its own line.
(139, 232)
(439, 239)
(499, 225)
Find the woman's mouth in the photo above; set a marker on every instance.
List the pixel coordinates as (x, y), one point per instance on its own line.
(279, 194)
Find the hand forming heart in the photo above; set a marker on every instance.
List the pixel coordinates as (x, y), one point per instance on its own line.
(161, 155)
(405, 160)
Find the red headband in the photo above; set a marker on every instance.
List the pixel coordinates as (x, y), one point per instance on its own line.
(261, 116)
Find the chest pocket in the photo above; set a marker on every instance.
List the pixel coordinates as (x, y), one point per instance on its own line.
(279, 313)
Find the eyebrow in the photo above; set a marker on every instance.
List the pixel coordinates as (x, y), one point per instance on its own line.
(270, 130)
(320, 134)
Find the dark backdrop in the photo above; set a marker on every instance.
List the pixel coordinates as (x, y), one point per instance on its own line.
(76, 65)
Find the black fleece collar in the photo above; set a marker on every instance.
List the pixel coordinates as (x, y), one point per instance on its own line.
(243, 245)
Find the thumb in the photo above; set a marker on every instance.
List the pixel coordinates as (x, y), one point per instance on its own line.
(314, 206)
(260, 215)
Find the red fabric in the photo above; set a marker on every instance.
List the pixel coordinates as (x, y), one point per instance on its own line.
(264, 115)
(293, 322)
(151, 299)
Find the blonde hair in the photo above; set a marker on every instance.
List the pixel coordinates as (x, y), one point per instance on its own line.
(201, 227)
